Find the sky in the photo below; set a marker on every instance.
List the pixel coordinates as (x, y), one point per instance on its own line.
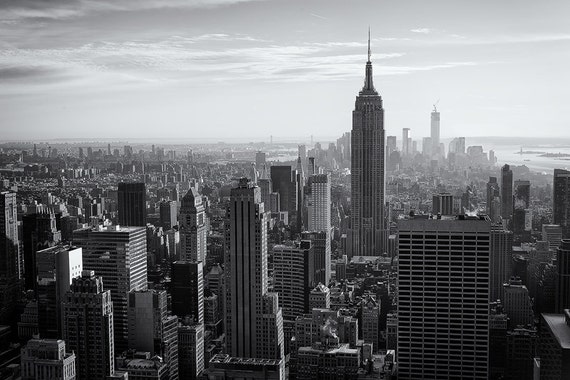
(248, 69)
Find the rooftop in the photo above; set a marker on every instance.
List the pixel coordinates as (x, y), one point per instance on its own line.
(561, 331)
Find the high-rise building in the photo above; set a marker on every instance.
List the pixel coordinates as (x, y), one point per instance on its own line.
(10, 259)
(368, 225)
(39, 232)
(193, 227)
(152, 329)
(254, 321)
(554, 346)
(501, 260)
(435, 117)
(427, 147)
(47, 359)
(293, 279)
(493, 193)
(443, 298)
(319, 205)
(320, 243)
(561, 200)
(370, 312)
(88, 327)
(190, 350)
(131, 201)
(283, 181)
(506, 192)
(56, 268)
(118, 255)
(457, 145)
(517, 304)
(442, 204)
(391, 144)
(168, 211)
(406, 142)
(320, 297)
(260, 160)
(562, 276)
(187, 289)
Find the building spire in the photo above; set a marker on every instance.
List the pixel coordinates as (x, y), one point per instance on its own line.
(369, 53)
(368, 84)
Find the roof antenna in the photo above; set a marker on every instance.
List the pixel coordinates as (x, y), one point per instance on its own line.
(369, 54)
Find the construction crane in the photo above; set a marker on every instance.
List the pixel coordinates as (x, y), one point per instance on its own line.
(435, 106)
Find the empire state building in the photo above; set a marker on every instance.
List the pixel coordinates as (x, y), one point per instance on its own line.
(368, 225)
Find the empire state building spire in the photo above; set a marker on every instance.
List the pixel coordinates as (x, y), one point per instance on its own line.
(368, 88)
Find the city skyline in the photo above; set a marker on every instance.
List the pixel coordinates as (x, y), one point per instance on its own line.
(106, 70)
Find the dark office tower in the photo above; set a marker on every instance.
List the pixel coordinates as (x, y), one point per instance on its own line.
(493, 193)
(367, 171)
(260, 158)
(522, 194)
(152, 329)
(168, 211)
(88, 327)
(131, 199)
(442, 204)
(190, 350)
(284, 182)
(293, 278)
(506, 192)
(302, 150)
(254, 321)
(391, 144)
(312, 169)
(193, 228)
(56, 268)
(562, 276)
(9, 257)
(501, 260)
(435, 150)
(40, 231)
(561, 200)
(320, 243)
(443, 298)
(118, 255)
(187, 289)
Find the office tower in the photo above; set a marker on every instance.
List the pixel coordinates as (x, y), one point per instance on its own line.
(88, 326)
(190, 350)
(562, 276)
(319, 203)
(552, 234)
(152, 329)
(406, 142)
(522, 194)
(131, 202)
(39, 232)
(435, 133)
(367, 171)
(302, 153)
(224, 367)
(300, 187)
(561, 200)
(293, 279)
(320, 297)
(493, 193)
(312, 169)
(260, 160)
(554, 346)
(168, 212)
(56, 268)
(443, 298)
(517, 304)
(47, 359)
(321, 246)
(427, 147)
(118, 255)
(370, 311)
(521, 351)
(265, 187)
(391, 144)
(254, 321)
(284, 182)
(187, 288)
(501, 260)
(442, 204)
(193, 227)
(506, 192)
(457, 145)
(10, 261)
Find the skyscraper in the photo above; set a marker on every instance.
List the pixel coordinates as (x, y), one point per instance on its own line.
(391, 144)
(493, 193)
(367, 170)
(152, 329)
(132, 204)
(88, 327)
(406, 141)
(562, 276)
(187, 288)
(118, 255)
(193, 227)
(501, 260)
(443, 298)
(506, 192)
(190, 350)
(254, 322)
(319, 203)
(561, 200)
(435, 151)
(442, 203)
(47, 359)
(284, 182)
(10, 258)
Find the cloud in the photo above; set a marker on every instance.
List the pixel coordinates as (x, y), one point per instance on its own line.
(421, 30)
